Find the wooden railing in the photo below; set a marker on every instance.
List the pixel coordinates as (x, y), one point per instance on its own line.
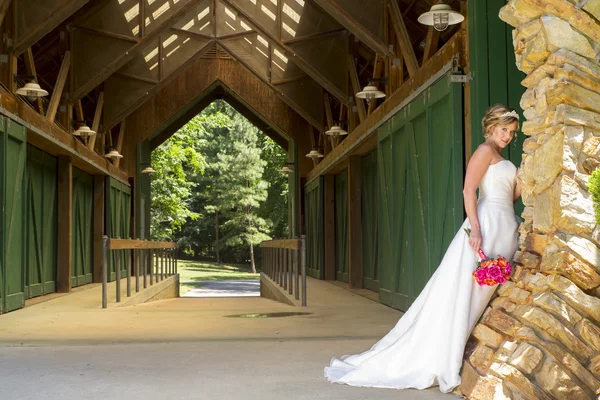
(284, 261)
(143, 253)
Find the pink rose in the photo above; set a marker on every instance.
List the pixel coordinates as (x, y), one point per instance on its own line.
(494, 272)
(508, 269)
(501, 280)
(481, 275)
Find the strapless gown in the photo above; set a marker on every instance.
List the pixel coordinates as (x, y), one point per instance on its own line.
(426, 346)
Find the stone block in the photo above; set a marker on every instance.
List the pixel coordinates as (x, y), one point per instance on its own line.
(528, 99)
(557, 307)
(561, 35)
(589, 165)
(488, 336)
(504, 303)
(574, 95)
(572, 294)
(590, 333)
(505, 351)
(534, 78)
(576, 116)
(575, 208)
(567, 265)
(591, 144)
(527, 259)
(543, 320)
(481, 358)
(583, 248)
(564, 57)
(558, 383)
(526, 357)
(595, 366)
(479, 387)
(501, 322)
(593, 7)
(515, 377)
(537, 242)
(570, 363)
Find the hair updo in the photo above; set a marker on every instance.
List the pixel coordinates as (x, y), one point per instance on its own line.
(493, 117)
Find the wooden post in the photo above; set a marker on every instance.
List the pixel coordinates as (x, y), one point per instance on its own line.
(354, 223)
(329, 226)
(99, 189)
(65, 218)
(58, 88)
(96, 121)
(408, 52)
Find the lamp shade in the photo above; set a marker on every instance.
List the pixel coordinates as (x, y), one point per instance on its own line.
(148, 170)
(370, 93)
(286, 170)
(440, 16)
(84, 131)
(314, 154)
(113, 154)
(32, 89)
(336, 131)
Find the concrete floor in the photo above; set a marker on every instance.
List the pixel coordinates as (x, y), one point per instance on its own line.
(225, 288)
(187, 348)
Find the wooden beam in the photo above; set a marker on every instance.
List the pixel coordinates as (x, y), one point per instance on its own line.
(311, 71)
(329, 226)
(344, 19)
(58, 88)
(329, 116)
(96, 121)
(354, 223)
(377, 69)
(314, 36)
(120, 137)
(431, 43)
(30, 69)
(65, 216)
(359, 141)
(403, 38)
(79, 111)
(52, 19)
(360, 103)
(4, 4)
(111, 65)
(98, 229)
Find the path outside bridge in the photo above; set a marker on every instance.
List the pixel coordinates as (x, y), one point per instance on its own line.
(223, 288)
(190, 348)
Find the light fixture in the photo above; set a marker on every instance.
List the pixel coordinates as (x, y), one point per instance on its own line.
(370, 92)
(314, 154)
(113, 154)
(31, 90)
(83, 131)
(148, 170)
(440, 16)
(336, 131)
(286, 168)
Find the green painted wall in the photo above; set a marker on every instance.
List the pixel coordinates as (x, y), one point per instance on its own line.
(82, 247)
(420, 168)
(313, 203)
(118, 217)
(341, 226)
(369, 198)
(41, 225)
(13, 155)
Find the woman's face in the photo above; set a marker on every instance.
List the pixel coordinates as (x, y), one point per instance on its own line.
(502, 135)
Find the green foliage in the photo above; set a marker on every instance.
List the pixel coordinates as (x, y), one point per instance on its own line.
(233, 199)
(594, 189)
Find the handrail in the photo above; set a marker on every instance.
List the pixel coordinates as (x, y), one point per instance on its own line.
(143, 252)
(281, 260)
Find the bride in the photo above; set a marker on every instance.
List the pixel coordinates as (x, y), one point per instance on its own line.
(426, 346)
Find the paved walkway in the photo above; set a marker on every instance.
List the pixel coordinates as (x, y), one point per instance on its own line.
(189, 348)
(224, 288)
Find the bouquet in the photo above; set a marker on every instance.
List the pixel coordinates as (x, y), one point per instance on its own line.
(490, 271)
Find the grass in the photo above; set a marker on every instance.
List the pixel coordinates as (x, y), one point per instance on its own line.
(199, 271)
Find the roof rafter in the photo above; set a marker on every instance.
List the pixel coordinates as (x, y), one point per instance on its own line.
(112, 64)
(299, 61)
(45, 19)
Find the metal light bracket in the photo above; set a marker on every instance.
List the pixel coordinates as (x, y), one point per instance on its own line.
(456, 75)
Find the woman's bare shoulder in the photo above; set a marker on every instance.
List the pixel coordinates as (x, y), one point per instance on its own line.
(484, 152)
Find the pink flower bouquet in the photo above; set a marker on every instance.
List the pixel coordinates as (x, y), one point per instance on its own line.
(490, 271)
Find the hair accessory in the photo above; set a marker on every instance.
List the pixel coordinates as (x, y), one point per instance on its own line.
(512, 113)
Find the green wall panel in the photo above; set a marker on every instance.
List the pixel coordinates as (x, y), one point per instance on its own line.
(313, 203)
(82, 228)
(341, 226)
(13, 155)
(496, 78)
(420, 168)
(369, 221)
(118, 217)
(40, 249)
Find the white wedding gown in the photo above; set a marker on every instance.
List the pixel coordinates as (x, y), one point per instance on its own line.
(426, 346)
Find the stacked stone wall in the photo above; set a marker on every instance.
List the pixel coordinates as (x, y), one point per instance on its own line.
(540, 337)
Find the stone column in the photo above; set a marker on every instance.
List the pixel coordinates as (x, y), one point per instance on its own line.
(540, 337)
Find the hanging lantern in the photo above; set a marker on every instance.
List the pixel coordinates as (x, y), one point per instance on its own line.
(32, 91)
(440, 16)
(84, 131)
(370, 93)
(336, 131)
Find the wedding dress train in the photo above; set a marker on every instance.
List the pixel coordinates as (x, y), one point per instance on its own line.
(426, 346)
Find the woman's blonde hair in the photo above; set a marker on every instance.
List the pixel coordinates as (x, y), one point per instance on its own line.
(494, 116)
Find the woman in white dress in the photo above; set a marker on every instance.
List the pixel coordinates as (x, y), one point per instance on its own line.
(426, 346)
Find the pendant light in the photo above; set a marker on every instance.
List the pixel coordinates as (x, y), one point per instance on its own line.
(148, 170)
(370, 92)
(32, 91)
(83, 131)
(314, 154)
(440, 16)
(336, 131)
(113, 154)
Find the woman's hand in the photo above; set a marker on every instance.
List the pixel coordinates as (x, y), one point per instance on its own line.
(475, 240)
